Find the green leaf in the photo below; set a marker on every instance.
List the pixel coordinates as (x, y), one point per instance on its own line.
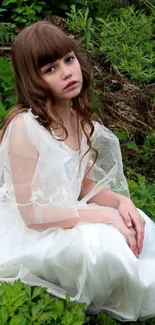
(89, 22)
(36, 311)
(18, 320)
(44, 317)
(20, 20)
(58, 307)
(132, 145)
(3, 315)
(18, 10)
(101, 20)
(37, 292)
(67, 318)
(7, 2)
(121, 135)
(38, 8)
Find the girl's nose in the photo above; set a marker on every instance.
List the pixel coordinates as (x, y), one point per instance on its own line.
(65, 72)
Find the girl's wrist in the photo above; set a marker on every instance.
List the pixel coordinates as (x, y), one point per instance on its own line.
(122, 199)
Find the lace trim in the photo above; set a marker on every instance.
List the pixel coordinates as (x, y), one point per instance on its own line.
(4, 190)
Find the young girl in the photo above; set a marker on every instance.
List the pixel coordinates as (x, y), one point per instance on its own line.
(67, 222)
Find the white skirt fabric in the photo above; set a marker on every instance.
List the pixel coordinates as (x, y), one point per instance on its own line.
(92, 262)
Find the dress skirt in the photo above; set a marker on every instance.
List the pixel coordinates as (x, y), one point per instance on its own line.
(92, 262)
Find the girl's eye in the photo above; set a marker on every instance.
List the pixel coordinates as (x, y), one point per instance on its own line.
(50, 69)
(70, 58)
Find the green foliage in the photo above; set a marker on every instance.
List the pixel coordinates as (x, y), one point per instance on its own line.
(3, 112)
(79, 21)
(25, 11)
(143, 195)
(102, 319)
(140, 157)
(102, 8)
(28, 11)
(142, 192)
(105, 7)
(127, 40)
(21, 304)
(7, 85)
(7, 33)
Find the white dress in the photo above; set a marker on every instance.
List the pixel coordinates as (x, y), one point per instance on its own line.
(92, 262)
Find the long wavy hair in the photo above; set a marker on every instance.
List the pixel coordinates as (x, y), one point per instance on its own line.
(34, 47)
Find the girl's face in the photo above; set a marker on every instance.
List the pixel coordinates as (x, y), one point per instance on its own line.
(63, 77)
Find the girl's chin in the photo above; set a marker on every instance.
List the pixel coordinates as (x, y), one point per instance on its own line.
(72, 94)
(69, 95)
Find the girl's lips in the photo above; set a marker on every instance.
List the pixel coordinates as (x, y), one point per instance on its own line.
(71, 84)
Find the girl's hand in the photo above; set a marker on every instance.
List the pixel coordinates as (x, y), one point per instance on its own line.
(132, 218)
(113, 218)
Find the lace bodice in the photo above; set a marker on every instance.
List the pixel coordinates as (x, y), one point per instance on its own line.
(71, 159)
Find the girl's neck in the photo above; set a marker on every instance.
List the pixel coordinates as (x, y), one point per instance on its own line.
(64, 110)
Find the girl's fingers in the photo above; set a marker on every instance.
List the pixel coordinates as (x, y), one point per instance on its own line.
(127, 219)
(139, 226)
(131, 238)
(132, 218)
(142, 235)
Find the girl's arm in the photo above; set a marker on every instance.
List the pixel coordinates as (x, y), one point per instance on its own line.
(105, 197)
(125, 206)
(109, 217)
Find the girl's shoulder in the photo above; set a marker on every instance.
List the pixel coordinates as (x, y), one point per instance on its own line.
(26, 122)
(23, 118)
(22, 128)
(100, 130)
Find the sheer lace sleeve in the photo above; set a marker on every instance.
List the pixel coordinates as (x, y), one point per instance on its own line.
(107, 172)
(23, 157)
(32, 174)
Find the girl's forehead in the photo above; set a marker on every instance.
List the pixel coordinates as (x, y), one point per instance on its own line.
(49, 51)
(60, 58)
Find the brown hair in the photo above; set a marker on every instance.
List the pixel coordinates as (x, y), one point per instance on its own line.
(34, 47)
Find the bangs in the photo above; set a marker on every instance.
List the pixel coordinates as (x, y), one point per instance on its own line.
(50, 44)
